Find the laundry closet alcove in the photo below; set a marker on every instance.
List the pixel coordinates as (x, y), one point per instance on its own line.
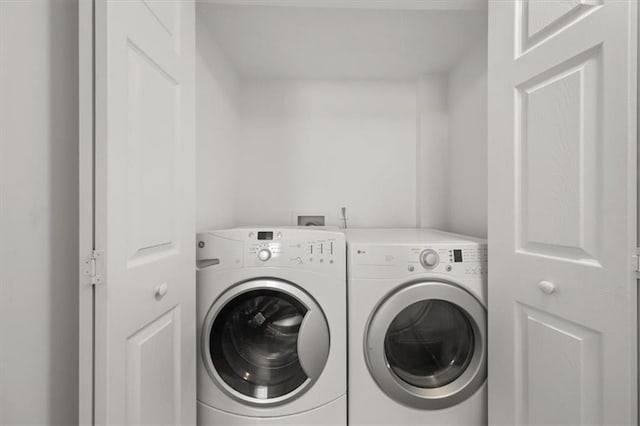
(510, 120)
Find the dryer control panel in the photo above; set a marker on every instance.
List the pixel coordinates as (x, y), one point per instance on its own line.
(384, 261)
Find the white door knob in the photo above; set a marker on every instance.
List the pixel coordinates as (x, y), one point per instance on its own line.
(547, 287)
(161, 290)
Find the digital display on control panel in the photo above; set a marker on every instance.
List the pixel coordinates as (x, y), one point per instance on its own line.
(265, 235)
(457, 256)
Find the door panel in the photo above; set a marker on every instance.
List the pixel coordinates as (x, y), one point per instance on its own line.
(153, 364)
(153, 97)
(145, 212)
(559, 145)
(167, 13)
(566, 391)
(562, 293)
(540, 19)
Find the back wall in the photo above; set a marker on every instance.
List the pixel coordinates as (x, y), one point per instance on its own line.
(316, 146)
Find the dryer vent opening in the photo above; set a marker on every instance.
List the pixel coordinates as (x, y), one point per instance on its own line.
(311, 221)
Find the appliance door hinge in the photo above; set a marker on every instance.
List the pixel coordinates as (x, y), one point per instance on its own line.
(93, 268)
(636, 262)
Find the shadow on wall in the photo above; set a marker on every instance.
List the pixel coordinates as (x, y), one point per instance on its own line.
(63, 192)
(39, 213)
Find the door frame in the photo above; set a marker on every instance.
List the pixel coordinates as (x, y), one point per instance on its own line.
(86, 201)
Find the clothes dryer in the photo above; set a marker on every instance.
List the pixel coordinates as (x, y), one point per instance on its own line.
(417, 328)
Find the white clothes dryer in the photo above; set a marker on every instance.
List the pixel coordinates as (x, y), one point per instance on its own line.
(417, 328)
(272, 327)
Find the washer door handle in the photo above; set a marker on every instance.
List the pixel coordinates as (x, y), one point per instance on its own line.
(313, 343)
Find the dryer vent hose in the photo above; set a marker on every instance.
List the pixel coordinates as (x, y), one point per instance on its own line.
(344, 216)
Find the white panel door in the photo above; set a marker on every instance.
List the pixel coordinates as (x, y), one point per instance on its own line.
(144, 312)
(562, 230)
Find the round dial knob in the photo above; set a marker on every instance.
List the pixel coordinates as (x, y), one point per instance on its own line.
(429, 259)
(264, 255)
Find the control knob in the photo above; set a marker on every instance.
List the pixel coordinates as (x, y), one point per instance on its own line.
(429, 258)
(264, 255)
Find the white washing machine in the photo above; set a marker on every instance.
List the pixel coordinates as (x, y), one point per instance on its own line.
(272, 327)
(417, 328)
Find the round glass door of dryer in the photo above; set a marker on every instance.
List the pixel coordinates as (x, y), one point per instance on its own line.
(425, 345)
(430, 343)
(266, 343)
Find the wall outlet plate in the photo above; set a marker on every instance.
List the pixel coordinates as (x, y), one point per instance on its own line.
(304, 220)
(314, 218)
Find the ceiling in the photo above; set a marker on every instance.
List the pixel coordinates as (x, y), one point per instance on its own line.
(287, 39)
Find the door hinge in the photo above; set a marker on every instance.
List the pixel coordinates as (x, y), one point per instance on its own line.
(636, 261)
(93, 268)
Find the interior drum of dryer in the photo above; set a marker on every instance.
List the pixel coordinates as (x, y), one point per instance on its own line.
(430, 343)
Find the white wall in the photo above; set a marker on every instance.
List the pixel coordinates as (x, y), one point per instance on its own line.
(38, 212)
(394, 152)
(320, 145)
(216, 134)
(467, 177)
(432, 157)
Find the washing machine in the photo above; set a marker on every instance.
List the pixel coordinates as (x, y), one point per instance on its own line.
(417, 328)
(271, 316)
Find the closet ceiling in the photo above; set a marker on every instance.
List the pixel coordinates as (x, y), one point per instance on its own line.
(292, 42)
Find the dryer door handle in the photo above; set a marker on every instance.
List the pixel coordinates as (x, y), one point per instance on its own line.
(313, 343)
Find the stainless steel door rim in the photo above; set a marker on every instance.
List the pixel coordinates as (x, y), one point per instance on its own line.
(313, 337)
(428, 396)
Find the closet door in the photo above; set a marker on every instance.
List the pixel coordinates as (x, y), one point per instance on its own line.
(142, 225)
(562, 216)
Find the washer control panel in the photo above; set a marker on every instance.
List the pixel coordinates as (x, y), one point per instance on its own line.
(301, 248)
(271, 249)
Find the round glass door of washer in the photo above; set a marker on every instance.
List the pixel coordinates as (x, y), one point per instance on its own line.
(254, 342)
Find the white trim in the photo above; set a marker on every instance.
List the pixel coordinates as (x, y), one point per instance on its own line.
(85, 200)
(634, 189)
(100, 91)
(634, 26)
(464, 5)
